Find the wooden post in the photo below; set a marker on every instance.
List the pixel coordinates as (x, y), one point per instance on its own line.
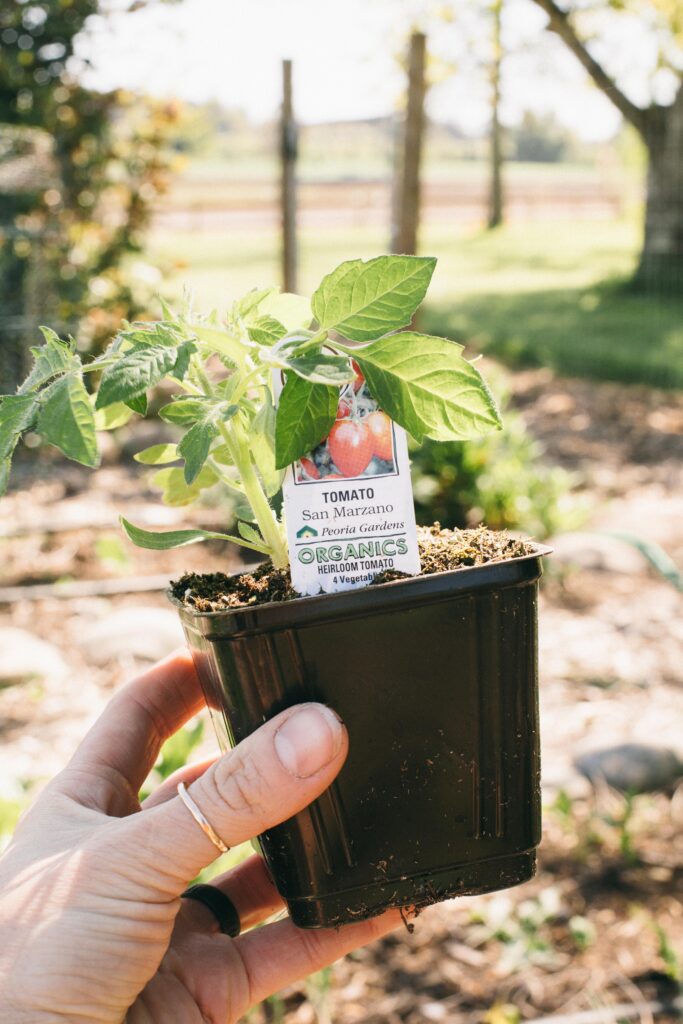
(288, 155)
(406, 219)
(495, 218)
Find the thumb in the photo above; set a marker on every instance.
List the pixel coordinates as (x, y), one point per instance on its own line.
(266, 779)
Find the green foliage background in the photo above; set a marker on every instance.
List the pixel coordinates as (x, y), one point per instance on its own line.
(79, 171)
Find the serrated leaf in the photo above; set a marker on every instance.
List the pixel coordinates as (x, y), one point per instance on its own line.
(176, 492)
(250, 302)
(54, 357)
(175, 538)
(266, 330)
(135, 372)
(17, 414)
(222, 343)
(182, 363)
(138, 405)
(195, 446)
(116, 415)
(290, 309)
(160, 332)
(157, 455)
(364, 300)
(426, 386)
(252, 536)
(305, 415)
(67, 421)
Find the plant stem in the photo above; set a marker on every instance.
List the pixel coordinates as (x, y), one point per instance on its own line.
(271, 530)
(238, 445)
(318, 338)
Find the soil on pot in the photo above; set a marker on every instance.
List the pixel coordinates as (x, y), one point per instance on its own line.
(440, 550)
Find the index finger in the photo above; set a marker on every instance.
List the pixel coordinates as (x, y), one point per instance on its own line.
(126, 739)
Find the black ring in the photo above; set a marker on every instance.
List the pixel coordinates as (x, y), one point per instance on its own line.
(220, 905)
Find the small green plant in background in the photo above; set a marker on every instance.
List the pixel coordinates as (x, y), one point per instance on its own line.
(670, 957)
(174, 754)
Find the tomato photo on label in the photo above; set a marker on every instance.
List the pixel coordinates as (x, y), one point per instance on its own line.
(310, 469)
(379, 426)
(343, 409)
(360, 379)
(350, 446)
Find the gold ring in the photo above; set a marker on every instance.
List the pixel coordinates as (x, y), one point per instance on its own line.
(199, 817)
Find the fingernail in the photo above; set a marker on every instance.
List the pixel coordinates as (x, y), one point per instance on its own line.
(308, 740)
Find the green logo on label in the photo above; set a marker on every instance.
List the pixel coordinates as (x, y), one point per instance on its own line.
(305, 532)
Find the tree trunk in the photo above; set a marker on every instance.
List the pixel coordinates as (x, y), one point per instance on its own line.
(661, 262)
(495, 218)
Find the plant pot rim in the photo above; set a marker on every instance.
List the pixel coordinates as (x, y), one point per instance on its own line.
(274, 615)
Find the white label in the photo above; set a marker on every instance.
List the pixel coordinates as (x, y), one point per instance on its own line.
(349, 503)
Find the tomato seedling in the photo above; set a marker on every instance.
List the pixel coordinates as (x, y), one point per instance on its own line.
(222, 370)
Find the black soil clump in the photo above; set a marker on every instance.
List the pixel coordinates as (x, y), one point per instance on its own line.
(440, 551)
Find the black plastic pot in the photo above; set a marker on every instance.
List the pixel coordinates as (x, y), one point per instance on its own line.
(436, 680)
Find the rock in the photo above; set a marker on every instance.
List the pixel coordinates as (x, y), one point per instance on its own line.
(146, 633)
(24, 656)
(632, 767)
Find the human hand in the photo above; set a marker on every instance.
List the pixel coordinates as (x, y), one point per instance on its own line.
(92, 927)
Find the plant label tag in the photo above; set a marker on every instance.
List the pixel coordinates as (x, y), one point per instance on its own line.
(348, 504)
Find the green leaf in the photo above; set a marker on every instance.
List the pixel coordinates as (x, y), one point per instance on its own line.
(220, 341)
(426, 385)
(54, 357)
(262, 444)
(5, 465)
(305, 415)
(176, 492)
(17, 413)
(291, 310)
(160, 332)
(138, 405)
(135, 372)
(182, 363)
(194, 448)
(253, 536)
(184, 410)
(157, 455)
(266, 330)
(316, 367)
(174, 538)
(116, 415)
(364, 300)
(67, 420)
(250, 302)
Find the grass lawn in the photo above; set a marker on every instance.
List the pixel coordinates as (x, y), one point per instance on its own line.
(550, 294)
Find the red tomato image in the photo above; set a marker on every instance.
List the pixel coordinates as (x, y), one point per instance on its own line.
(343, 409)
(310, 469)
(360, 379)
(379, 425)
(350, 446)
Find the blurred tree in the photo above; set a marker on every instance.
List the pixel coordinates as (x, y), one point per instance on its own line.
(660, 125)
(78, 172)
(495, 218)
(540, 139)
